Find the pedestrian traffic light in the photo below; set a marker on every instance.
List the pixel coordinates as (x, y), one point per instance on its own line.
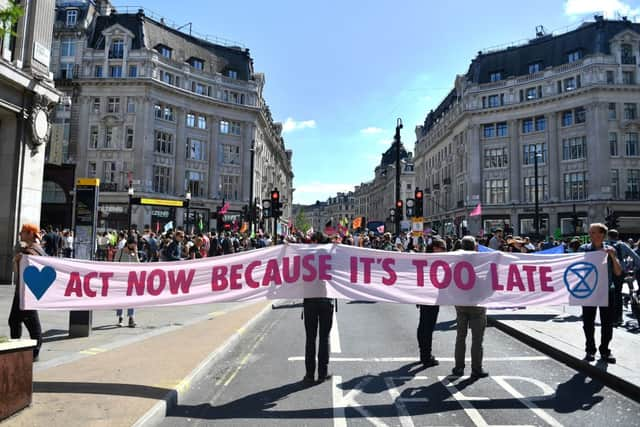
(266, 208)
(275, 203)
(410, 208)
(392, 215)
(399, 209)
(419, 196)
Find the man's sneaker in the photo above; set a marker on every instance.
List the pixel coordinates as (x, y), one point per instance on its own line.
(457, 372)
(608, 358)
(479, 373)
(429, 362)
(120, 322)
(590, 357)
(132, 323)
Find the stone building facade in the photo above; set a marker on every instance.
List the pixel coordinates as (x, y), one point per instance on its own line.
(167, 114)
(27, 97)
(571, 101)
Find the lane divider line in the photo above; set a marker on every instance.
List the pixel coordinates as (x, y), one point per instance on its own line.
(334, 336)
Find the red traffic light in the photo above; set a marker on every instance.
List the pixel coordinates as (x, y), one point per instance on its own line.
(419, 195)
(275, 195)
(399, 204)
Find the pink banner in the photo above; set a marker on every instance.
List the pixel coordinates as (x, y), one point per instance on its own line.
(494, 279)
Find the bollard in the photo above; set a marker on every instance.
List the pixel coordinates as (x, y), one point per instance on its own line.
(80, 323)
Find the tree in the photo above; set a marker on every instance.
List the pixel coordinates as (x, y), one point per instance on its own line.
(302, 223)
(9, 16)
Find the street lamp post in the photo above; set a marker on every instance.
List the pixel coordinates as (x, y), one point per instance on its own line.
(536, 219)
(397, 142)
(187, 200)
(130, 191)
(252, 208)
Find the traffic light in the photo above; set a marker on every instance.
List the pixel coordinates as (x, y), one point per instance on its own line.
(392, 215)
(419, 196)
(266, 208)
(275, 203)
(399, 209)
(410, 208)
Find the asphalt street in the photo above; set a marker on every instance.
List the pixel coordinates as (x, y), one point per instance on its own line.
(378, 381)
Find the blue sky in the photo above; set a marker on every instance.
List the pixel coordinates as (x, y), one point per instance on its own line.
(339, 73)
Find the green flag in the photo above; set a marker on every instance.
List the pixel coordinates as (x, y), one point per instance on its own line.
(557, 234)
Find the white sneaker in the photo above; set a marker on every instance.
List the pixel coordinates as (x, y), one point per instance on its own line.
(120, 322)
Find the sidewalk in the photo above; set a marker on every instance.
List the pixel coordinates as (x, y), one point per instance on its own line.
(557, 331)
(116, 376)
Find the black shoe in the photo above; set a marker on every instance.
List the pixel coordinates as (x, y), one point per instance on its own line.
(590, 357)
(324, 377)
(479, 373)
(120, 324)
(457, 372)
(429, 362)
(608, 358)
(307, 380)
(132, 323)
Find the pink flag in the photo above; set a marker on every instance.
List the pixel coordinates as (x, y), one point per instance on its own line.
(477, 211)
(380, 229)
(225, 208)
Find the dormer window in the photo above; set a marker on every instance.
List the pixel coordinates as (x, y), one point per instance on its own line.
(117, 49)
(574, 56)
(535, 67)
(197, 63)
(72, 18)
(164, 51)
(232, 74)
(626, 54)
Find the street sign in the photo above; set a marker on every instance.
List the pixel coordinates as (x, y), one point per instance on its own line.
(417, 226)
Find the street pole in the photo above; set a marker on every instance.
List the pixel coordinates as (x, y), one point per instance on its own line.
(187, 202)
(397, 142)
(130, 193)
(536, 220)
(252, 208)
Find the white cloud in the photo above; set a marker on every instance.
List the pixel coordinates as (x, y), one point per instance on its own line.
(371, 130)
(290, 125)
(577, 8)
(308, 193)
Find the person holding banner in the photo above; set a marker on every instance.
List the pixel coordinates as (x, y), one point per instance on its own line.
(28, 246)
(597, 234)
(474, 318)
(129, 253)
(428, 319)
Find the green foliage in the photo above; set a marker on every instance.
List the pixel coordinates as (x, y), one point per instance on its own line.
(9, 16)
(302, 223)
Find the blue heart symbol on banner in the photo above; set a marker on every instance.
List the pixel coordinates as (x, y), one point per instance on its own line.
(39, 281)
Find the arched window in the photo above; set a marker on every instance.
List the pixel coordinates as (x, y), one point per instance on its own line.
(52, 192)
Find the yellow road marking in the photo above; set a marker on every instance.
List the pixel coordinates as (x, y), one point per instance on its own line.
(93, 351)
(217, 313)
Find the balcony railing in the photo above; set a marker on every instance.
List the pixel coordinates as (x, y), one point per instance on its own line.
(632, 195)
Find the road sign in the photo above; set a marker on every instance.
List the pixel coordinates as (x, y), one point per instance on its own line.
(417, 226)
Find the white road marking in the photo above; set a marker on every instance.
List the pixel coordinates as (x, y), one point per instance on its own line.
(334, 336)
(415, 359)
(339, 419)
(403, 413)
(548, 391)
(340, 402)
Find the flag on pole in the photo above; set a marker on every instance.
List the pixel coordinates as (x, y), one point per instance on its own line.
(168, 226)
(477, 211)
(380, 229)
(225, 208)
(201, 224)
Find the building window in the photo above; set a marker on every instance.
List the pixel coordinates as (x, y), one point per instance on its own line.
(488, 131)
(529, 153)
(72, 18)
(198, 88)
(162, 177)
(133, 71)
(495, 158)
(67, 47)
(109, 171)
(224, 127)
(612, 111)
(195, 149)
(166, 77)
(232, 74)
(626, 54)
(113, 105)
(164, 142)
(235, 129)
(230, 186)
(628, 78)
(91, 169)
(97, 71)
(532, 93)
(168, 114)
(535, 67)
(633, 184)
(157, 111)
(131, 104)
(95, 106)
(93, 137)
(164, 51)
(108, 138)
(66, 70)
(495, 76)
(117, 49)
(530, 188)
(613, 144)
(202, 122)
(630, 111)
(610, 77)
(191, 120)
(496, 191)
(501, 129)
(494, 101)
(632, 147)
(229, 154)
(128, 138)
(195, 182)
(541, 123)
(574, 148)
(580, 115)
(527, 125)
(574, 56)
(197, 63)
(615, 183)
(569, 84)
(115, 71)
(575, 186)
(567, 118)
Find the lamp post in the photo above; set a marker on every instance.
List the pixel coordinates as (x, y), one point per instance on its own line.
(536, 219)
(187, 200)
(397, 142)
(130, 191)
(251, 205)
